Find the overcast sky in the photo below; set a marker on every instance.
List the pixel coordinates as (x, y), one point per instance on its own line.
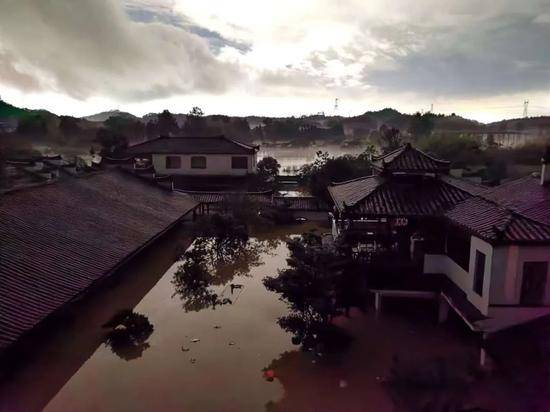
(480, 59)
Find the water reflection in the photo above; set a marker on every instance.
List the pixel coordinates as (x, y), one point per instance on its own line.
(128, 335)
(212, 263)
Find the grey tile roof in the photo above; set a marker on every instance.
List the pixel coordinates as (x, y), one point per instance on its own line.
(192, 145)
(58, 240)
(497, 224)
(396, 196)
(352, 191)
(525, 196)
(410, 159)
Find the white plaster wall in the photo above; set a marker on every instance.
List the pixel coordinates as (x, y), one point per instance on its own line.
(503, 275)
(465, 279)
(216, 165)
(480, 302)
(507, 273)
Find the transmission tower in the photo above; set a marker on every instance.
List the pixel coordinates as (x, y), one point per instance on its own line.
(336, 105)
(526, 108)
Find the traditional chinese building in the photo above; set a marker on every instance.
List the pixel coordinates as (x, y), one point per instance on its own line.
(488, 249)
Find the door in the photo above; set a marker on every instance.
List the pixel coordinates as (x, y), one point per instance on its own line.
(533, 285)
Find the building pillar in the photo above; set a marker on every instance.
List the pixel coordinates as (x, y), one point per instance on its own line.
(443, 312)
(482, 352)
(377, 302)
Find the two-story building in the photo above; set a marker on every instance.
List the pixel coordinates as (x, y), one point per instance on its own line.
(489, 246)
(197, 156)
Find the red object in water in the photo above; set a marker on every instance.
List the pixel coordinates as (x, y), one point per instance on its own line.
(270, 374)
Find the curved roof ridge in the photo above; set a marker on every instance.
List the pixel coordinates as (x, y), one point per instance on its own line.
(357, 179)
(217, 192)
(400, 148)
(435, 159)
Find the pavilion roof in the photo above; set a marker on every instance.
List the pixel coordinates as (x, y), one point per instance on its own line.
(408, 159)
(390, 196)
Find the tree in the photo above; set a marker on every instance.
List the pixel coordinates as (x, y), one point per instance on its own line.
(326, 170)
(312, 288)
(33, 124)
(268, 168)
(68, 126)
(390, 138)
(421, 125)
(166, 124)
(129, 333)
(195, 123)
(112, 144)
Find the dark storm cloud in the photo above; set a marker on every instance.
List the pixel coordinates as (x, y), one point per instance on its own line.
(498, 55)
(91, 48)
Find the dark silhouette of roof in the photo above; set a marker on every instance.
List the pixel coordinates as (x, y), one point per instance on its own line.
(192, 145)
(58, 240)
(393, 196)
(497, 224)
(350, 192)
(525, 196)
(410, 160)
(515, 212)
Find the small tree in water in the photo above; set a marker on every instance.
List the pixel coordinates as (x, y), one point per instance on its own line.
(128, 335)
(313, 287)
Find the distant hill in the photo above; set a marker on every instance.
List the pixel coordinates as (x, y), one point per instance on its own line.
(101, 117)
(8, 110)
(536, 125)
(45, 129)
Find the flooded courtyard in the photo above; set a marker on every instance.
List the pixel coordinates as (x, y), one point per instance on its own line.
(218, 347)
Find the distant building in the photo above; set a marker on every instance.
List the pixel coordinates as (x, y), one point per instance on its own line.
(197, 156)
(489, 248)
(511, 139)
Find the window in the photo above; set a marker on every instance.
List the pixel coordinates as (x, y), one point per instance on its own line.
(533, 285)
(198, 162)
(458, 249)
(240, 162)
(479, 273)
(173, 162)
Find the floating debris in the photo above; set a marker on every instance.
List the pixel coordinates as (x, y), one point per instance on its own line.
(193, 360)
(217, 327)
(184, 349)
(342, 384)
(231, 343)
(195, 340)
(269, 375)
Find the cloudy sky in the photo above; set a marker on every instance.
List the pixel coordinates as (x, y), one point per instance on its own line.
(480, 59)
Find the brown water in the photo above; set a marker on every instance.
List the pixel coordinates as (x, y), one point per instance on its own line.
(292, 159)
(73, 370)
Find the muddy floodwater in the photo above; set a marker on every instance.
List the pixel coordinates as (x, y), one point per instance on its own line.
(292, 159)
(204, 357)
